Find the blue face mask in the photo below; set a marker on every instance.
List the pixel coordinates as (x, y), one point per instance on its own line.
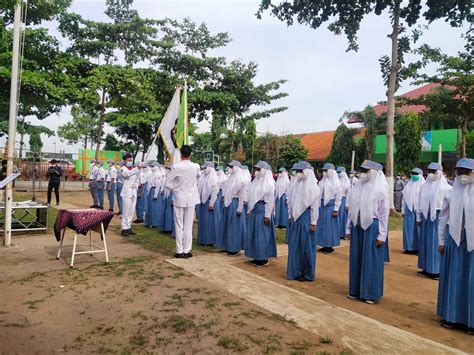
(415, 178)
(129, 163)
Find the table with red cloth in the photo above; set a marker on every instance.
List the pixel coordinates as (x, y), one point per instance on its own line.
(83, 221)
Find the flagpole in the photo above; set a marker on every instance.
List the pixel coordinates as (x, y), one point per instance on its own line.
(186, 122)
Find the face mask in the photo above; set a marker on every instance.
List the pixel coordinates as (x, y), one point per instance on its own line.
(258, 173)
(325, 173)
(206, 170)
(231, 170)
(415, 178)
(280, 174)
(365, 176)
(432, 176)
(129, 164)
(293, 173)
(351, 175)
(465, 179)
(300, 176)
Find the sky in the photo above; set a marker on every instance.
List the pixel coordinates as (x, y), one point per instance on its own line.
(324, 80)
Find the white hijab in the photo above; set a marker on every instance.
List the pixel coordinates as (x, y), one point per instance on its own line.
(432, 195)
(345, 183)
(282, 184)
(462, 199)
(221, 177)
(330, 186)
(247, 180)
(233, 185)
(365, 196)
(411, 193)
(207, 183)
(261, 186)
(291, 187)
(304, 193)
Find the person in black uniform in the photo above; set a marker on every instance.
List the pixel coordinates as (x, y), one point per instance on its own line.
(54, 174)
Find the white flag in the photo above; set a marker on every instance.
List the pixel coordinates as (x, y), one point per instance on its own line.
(168, 125)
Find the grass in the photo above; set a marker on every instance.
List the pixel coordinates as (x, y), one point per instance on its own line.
(231, 343)
(325, 340)
(178, 324)
(395, 223)
(278, 318)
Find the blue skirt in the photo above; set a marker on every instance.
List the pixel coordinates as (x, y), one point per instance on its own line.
(456, 283)
(342, 218)
(366, 263)
(301, 249)
(281, 211)
(154, 209)
(287, 232)
(428, 256)
(261, 238)
(208, 225)
(232, 231)
(168, 218)
(327, 229)
(410, 230)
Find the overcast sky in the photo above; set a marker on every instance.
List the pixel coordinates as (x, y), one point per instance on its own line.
(323, 80)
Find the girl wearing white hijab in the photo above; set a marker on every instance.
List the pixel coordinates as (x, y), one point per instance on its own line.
(304, 213)
(344, 207)
(208, 211)
(432, 196)
(281, 208)
(410, 204)
(152, 204)
(367, 231)
(167, 219)
(293, 181)
(221, 178)
(456, 245)
(328, 235)
(260, 244)
(233, 229)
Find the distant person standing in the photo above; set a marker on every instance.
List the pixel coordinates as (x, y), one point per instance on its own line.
(54, 174)
(183, 182)
(209, 210)
(93, 184)
(397, 192)
(119, 189)
(344, 207)
(101, 177)
(281, 206)
(410, 206)
(141, 193)
(130, 176)
(111, 184)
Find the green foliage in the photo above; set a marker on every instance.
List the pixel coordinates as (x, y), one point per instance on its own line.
(470, 144)
(407, 138)
(35, 141)
(112, 143)
(342, 146)
(82, 128)
(290, 150)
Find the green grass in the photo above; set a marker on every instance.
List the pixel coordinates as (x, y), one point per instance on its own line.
(231, 343)
(178, 324)
(325, 340)
(395, 223)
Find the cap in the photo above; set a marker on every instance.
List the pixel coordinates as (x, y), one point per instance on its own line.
(369, 164)
(100, 162)
(234, 163)
(53, 161)
(207, 164)
(379, 166)
(281, 170)
(435, 166)
(301, 165)
(328, 166)
(465, 163)
(352, 172)
(417, 171)
(245, 167)
(92, 161)
(263, 165)
(111, 161)
(341, 169)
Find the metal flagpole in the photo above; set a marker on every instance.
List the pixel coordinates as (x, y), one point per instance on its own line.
(353, 160)
(440, 153)
(7, 235)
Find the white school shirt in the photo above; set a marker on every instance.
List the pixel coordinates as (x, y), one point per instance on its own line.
(130, 182)
(94, 173)
(182, 181)
(112, 174)
(102, 175)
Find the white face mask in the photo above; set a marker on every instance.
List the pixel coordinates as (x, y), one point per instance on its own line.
(432, 176)
(293, 173)
(258, 173)
(280, 174)
(300, 176)
(466, 179)
(207, 170)
(231, 171)
(365, 176)
(351, 175)
(325, 173)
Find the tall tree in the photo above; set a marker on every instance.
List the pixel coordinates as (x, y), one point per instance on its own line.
(408, 140)
(82, 128)
(346, 16)
(342, 146)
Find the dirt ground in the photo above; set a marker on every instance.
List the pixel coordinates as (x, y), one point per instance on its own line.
(137, 303)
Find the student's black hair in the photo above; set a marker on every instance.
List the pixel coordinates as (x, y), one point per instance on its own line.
(127, 156)
(186, 151)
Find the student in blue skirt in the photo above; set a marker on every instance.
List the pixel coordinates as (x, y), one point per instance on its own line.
(456, 246)
(432, 196)
(304, 210)
(328, 235)
(367, 231)
(261, 236)
(153, 203)
(288, 200)
(410, 204)
(344, 207)
(232, 231)
(208, 210)
(281, 207)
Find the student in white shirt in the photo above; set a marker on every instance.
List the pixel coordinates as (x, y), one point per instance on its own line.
(182, 181)
(93, 183)
(101, 177)
(111, 184)
(129, 193)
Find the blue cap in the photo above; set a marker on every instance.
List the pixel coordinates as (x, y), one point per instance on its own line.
(302, 165)
(465, 163)
(328, 166)
(352, 172)
(281, 170)
(340, 169)
(369, 164)
(245, 167)
(417, 171)
(207, 164)
(435, 166)
(379, 166)
(234, 163)
(263, 165)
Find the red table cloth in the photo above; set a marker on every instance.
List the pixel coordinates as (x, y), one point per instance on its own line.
(82, 221)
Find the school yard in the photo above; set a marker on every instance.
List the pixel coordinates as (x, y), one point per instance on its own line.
(144, 301)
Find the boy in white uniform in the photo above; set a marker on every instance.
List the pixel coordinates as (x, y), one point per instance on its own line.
(111, 184)
(182, 181)
(130, 177)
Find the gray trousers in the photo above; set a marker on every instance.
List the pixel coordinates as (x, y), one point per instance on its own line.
(94, 192)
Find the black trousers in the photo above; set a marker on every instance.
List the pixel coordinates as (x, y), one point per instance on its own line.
(55, 186)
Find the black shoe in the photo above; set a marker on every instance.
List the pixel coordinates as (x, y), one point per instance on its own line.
(329, 251)
(126, 232)
(179, 256)
(322, 250)
(254, 262)
(343, 238)
(233, 253)
(470, 331)
(188, 255)
(132, 232)
(434, 276)
(352, 297)
(422, 273)
(138, 221)
(93, 206)
(446, 324)
(261, 263)
(302, 279)
(111, 210)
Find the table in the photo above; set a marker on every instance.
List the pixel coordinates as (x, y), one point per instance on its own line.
(83, 221)
(26, 216)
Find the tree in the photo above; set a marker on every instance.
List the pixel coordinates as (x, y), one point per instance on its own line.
(290, 151)
(470, 144)
(112, 143)
(408, 139)
(342, 146)
(35, 141)
(82, 128)
(346, 16)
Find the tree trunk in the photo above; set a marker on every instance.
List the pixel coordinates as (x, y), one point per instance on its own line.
(464, 133)
(392, 83)
(101, 124)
